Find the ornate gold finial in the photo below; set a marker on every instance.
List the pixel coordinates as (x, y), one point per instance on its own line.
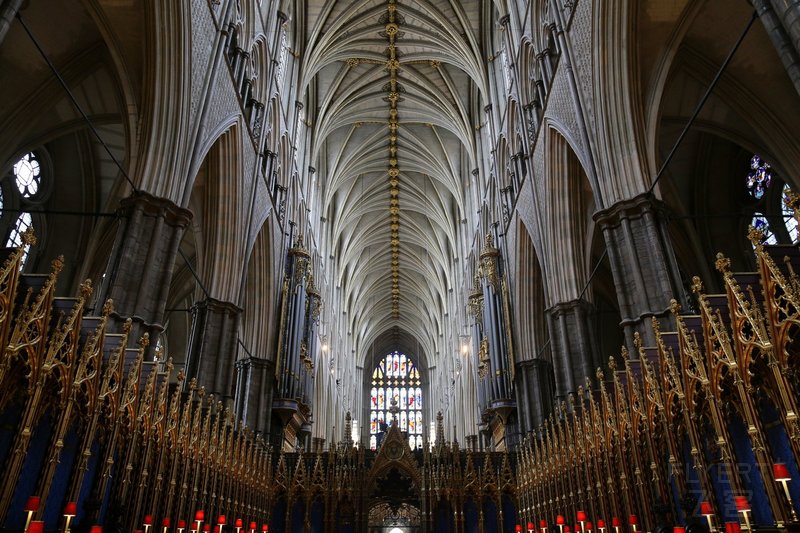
(600, 374)
(28, 237)
(144, 341)
(108, 307)
(756, 237)
(86, 289)
(722, 263)
(637, 341)
(697, 285)
(127, 326)
(674, 306)
(612, 363)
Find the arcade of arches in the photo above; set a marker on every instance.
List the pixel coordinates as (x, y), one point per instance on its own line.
(399, 265)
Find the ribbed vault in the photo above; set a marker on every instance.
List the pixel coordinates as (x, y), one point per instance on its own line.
(396, 84)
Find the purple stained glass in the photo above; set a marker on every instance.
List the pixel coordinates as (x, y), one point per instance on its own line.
(759, 177)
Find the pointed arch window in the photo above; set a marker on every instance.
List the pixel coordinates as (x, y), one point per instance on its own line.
(25, 189)
(396, 381)
(789, 219)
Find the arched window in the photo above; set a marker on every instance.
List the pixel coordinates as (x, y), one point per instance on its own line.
(396, 382)
(24, 189)
(788, 215)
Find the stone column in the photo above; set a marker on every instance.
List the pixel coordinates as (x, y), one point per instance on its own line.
(573, 344)
(8, 10)
(535, 391)
(255, 383)
(142, 260)
(642, 262)
(780, 20)
(213, 345)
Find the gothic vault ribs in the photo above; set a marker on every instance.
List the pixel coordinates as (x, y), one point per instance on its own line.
(392, 21)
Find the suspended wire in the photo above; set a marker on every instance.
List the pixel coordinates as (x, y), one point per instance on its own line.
(94, 131)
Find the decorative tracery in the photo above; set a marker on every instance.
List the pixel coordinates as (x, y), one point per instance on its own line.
(396, 393)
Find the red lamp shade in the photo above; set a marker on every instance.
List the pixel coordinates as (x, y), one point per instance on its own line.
(199, 516)
(730, 527)
(542, 523)
(567, 529)
(181, 524)
(207, 528)
(148, 520)
(581, 516)
(216, 528)
(221, 520)
(741, 503)
(530, 525)
(71, 509)
(253, 525)
(238, 523)
(706, 509)
(589, 526)
(678, 529)
(633, 520)
(518, 528)
(601, 523)
(138, 531)
(560, 520)
(96, 529)
(32, 505)
(264, 528)
(166, 522)
(781, 472)
(37, 526)
(616, 522)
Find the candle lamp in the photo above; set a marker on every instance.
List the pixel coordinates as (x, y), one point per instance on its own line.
(147, 522)
(70, 510)
(782, 476)
(252, 527)
(743, 508)
(560, 523)
(36, 526)
(530, 528)
(732, 527)
(31, 506)
(238, 525)
(221, 521)
(581, 519)
(166, 523)
(543, 525)
(518, 528)
(633, 520)
(264, 528)
(206, 528)
(601, 525)
(589, 526)
(199, 517)
(616, 523)
(96, 529)
(181, 525)
(707, 511)
(678, 529)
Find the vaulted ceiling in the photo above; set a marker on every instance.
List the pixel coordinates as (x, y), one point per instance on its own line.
(397, 86)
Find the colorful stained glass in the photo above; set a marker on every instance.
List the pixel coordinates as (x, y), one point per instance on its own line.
(398, 380)
(759, 177)
(419, 442)
(373, 442)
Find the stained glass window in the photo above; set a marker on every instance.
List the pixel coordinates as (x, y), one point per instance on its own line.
(396, 378)
(27, 174)
(761, 223)
(759, 177)
(788, 215)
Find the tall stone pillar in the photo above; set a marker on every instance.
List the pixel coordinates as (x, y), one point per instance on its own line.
(535, 391)
(573, 343)
(211, 356)
(642, 262)
(255, 384)
(142, 261)
(781, 20)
